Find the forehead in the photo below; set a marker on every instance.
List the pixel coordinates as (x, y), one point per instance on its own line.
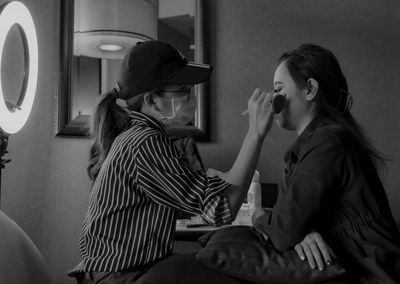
(172, 86)
(172, 91)
(281, 73)
(175, 87)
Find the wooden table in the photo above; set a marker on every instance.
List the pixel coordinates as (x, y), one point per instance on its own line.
(192, 234)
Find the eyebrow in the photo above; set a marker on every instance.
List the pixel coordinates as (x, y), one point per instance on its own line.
(183, 87)
(278, 82)
(186, 87)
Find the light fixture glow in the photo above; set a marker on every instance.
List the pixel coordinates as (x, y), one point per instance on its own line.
(110, 47)
(99, 25)
(11, 121)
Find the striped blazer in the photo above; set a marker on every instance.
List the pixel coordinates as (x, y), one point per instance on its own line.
(142, 184)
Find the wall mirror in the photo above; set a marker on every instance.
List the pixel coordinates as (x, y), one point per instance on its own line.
(85, 73)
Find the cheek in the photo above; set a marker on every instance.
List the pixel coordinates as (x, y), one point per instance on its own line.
(295, 106)
(291, 112)
(164, 107)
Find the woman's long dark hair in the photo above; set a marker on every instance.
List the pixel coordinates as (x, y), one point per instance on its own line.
(312, 61)
(109, 120)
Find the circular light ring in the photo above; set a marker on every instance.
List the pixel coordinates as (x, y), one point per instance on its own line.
(11, 121)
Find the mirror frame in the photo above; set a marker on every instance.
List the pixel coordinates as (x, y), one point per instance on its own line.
(67, 128)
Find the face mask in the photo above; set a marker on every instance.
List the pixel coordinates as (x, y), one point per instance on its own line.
(177, 111)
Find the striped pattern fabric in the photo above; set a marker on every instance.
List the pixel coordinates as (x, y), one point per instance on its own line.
(133, 203)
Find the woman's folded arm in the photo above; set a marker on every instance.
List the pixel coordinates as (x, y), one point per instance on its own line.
(308, 192)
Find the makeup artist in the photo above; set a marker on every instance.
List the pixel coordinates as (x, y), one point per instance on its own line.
(140, 180)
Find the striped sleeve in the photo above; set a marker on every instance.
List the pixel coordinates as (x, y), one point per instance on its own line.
(165, 175)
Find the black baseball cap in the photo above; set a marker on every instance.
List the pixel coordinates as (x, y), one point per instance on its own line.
(151, 64)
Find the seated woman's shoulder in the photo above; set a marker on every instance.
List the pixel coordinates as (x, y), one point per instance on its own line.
(135, 137)
(331, 133)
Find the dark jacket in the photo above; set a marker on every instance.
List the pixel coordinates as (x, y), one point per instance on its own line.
(332, 186)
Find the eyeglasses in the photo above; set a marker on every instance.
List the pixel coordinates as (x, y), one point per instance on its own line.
(187, 94)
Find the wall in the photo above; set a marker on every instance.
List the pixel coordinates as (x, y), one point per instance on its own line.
(45, 188)
(249, 36)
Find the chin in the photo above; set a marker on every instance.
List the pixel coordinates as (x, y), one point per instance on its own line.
(281, 122)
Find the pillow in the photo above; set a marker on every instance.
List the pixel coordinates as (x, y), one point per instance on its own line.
(239, 252)
(183, 269)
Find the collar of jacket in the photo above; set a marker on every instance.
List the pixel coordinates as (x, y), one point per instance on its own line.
(139, 118)
(292, 154)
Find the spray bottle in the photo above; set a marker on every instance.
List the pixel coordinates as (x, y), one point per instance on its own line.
(254, 193)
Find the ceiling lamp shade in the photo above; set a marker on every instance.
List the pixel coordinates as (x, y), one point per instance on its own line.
(109, 28)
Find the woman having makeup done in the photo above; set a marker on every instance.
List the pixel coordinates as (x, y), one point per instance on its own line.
(332, 183)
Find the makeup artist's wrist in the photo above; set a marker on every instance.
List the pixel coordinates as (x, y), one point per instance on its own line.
(254, 135)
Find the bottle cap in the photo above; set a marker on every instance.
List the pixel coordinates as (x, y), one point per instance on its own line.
(256, 176)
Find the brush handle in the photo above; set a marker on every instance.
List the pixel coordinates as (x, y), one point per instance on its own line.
(278, 102)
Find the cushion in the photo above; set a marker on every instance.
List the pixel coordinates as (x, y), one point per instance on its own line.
(184, 269)
(238, 251)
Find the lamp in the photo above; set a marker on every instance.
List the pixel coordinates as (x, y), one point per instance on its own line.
(14, 116)
(108, 29)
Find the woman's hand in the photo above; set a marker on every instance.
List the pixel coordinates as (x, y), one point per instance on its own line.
(258, 212)
(261, 114)
(215, 173)
(317, 252)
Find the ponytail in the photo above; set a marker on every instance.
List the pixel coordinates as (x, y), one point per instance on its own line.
(109, 120)
(347, 120)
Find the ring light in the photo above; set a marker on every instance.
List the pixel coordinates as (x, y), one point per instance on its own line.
(11, 121)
